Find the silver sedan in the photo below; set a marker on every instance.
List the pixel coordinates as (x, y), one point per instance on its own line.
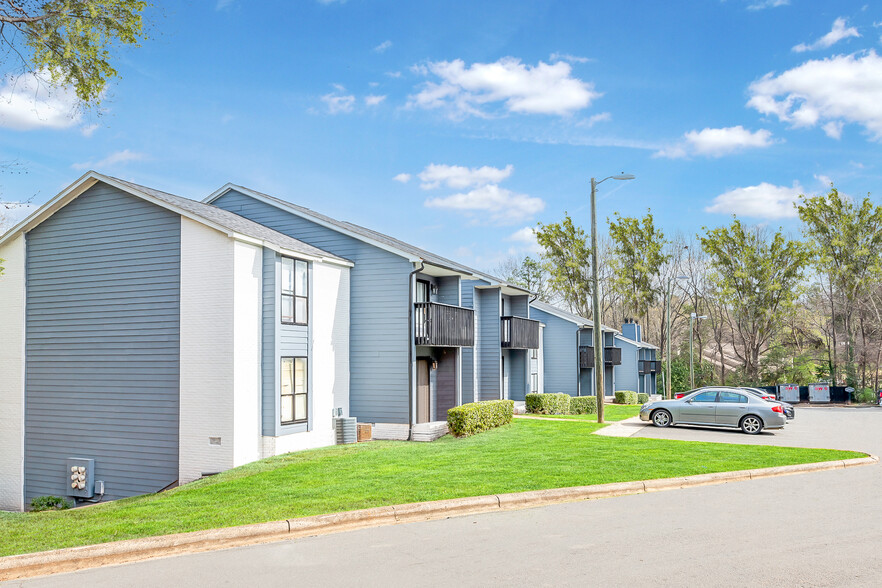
(717, 408)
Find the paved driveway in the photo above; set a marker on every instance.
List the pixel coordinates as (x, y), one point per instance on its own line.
(821, 529)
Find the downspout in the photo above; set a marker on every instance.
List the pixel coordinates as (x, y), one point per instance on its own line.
(410, 348)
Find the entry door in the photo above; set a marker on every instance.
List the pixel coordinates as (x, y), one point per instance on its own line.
(505, 391)
(423, 405)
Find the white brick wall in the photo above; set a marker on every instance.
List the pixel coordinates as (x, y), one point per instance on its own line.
(207, 351)
(12, 304)
(248, 278)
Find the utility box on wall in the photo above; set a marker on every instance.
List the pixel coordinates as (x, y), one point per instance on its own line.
(80, 477)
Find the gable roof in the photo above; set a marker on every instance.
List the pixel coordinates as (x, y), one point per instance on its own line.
(213, 216)
(383, 241)
(568, 316)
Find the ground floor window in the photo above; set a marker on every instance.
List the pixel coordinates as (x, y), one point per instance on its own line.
(294, 390)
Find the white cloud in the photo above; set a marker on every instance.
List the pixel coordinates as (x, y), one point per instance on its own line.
(765, 201)
(527, 239)
(373, 100)
(382, 47)
(568, 57)
(89, 130)
(836, 34)
(498, 205)
(842, 89)
(337, 101)
(29, 102)
(123, 156)
(763, 4)
(468, 90)
(223, 4)
(460, 177)
(717, 142)
(403, 178)
(393, 74)
(594, 119)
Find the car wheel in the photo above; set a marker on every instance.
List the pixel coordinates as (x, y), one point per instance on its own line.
(751, 424)
(661, 418)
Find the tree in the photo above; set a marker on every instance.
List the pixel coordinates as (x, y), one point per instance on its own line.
(527, 272)
(70, 42)
(638, 253)
(846, 238)
(567, 258)
(758, 276)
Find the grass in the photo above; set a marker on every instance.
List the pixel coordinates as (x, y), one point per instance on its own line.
(526, 455)
(611, 413)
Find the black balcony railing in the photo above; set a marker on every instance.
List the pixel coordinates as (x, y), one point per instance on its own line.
(443, 325)
(519, 333)
(611, 356)
(649, 366)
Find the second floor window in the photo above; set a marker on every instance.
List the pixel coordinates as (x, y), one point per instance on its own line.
(295, 288)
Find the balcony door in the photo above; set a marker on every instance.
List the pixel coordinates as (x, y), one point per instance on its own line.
(423, 292)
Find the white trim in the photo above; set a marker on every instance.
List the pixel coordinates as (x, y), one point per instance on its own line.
(583, 323)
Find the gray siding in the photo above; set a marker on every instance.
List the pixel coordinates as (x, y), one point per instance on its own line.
(626, 373)
(560, 352)
(268, 356)
(379, 330)
(489, 350)
(103, 342)
(519, 306)
(448, 290)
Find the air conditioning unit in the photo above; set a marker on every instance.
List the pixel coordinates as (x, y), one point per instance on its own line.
(347, 430)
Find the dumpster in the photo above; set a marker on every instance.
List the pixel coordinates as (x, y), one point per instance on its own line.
(788, 393)
(819, 392)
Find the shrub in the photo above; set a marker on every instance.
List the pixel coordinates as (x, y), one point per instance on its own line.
(583, 405)
(41, 503)
(548, 403)
(642, 398)
(626, 397)
(476, 417)
(865, 396)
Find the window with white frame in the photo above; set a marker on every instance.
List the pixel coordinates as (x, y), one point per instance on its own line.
(294, 390)
(295, 289)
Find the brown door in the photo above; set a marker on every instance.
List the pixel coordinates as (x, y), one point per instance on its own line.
(422, 404)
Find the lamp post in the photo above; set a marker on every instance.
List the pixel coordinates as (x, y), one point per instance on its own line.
(599, 391)
(670, 293)
(692, 317)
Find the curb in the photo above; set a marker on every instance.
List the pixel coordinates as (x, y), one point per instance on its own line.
(16, 567)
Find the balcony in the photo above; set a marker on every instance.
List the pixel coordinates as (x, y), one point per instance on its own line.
(443, 325)
(519, 333)
(611, 356)
(648, 366)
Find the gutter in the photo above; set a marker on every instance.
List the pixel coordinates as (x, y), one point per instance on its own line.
(410, 348)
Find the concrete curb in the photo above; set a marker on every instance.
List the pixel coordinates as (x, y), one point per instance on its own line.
(16, 567)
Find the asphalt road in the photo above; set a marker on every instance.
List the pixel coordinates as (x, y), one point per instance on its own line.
(820, 529)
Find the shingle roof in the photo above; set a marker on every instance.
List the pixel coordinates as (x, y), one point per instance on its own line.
(564, 314)
(392, 242)
(229, 220)
(642, 344)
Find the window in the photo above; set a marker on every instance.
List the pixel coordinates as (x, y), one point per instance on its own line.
(294, 390)
(534, 383)
(706, 397)
(295, 288)
(733, 397)
(534, 354)
(422, 291)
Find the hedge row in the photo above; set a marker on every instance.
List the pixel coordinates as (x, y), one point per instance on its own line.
(642, 398)
(548, 403)
(626, 397)
(583, 405)
(476, 417)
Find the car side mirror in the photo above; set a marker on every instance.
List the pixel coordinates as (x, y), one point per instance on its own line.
(689, 401)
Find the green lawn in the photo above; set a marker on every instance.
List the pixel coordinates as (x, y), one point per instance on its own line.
(526, 455)
(611, 413)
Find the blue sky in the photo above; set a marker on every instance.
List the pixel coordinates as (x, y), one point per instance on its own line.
(456, 125)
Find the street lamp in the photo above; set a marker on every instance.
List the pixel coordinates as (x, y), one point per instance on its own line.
(599, 391)
(692, 317)
(670, 292)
